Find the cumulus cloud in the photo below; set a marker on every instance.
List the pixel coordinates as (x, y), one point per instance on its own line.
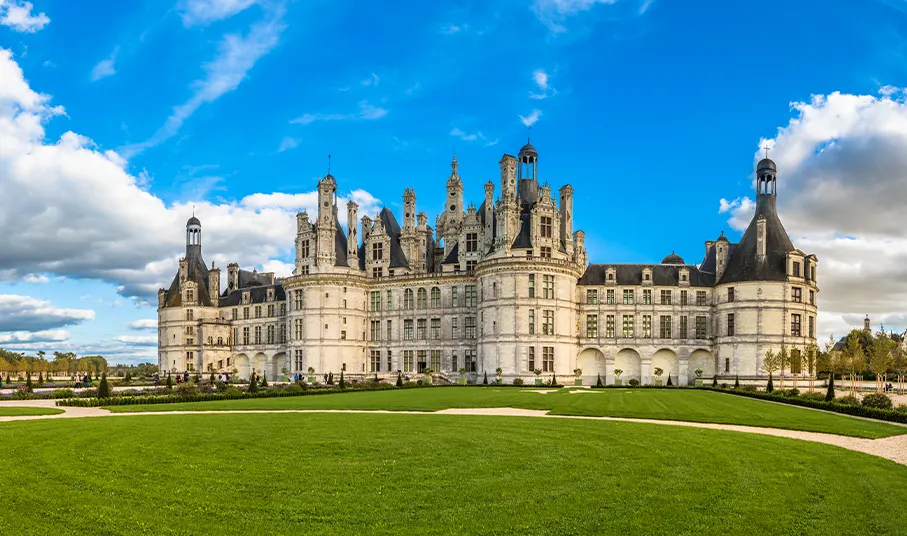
(371, 80)
(24, 313)
(540, 77)
(105, 67)
(18, 15)
(530, 119)
(287, 144)
(197, 12)
(236, 56)
(741, 210)
(366, 112)
(36, 278)
(138, 340)
(466, 136)
(842, 167)
(17, 337)
(143, 324)
(450, 29)
(80, 214)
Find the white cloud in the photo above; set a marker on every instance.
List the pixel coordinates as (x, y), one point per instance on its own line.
(741, 210)
(143, 324)
(466, 136)
(80, 214)
(451, 29)
(371, 80)
(51, 335)
(287, 144)
(842, 167)
(196, 12)
(138, 340)
(24, 313)
(366, 111)
(553, 13)
(492, 143)
(36, 278)
(18, 15)
(105, 67)
(540, 77)
(236, 57)
(530, 119)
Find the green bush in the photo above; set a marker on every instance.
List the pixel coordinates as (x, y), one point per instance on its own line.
(28, 385)
(169, 381)
(847, 401)
(598, 382)
(264, 380)
(790, 392)
(737, 381)
(818, 397)
(253, 384)
(830, 394)
(877, 400)
(342, 381)
(518, 381)
(330, 378)
(901, 408)
(104, 387)
(399, 379)
(770, 387)
(485, 379)
(63, 393)
(634, 382)
(749, 388)
(221, 387)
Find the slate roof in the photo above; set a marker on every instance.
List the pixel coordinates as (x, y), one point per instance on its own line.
(453, 256)
(524, 239)
(257, 294)
(198, 272)
(631, 274)
(392, 229)
(742, 263)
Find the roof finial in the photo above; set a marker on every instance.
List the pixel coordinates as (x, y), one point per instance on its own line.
(766, 151)
(329, 164)
(528, 133)
(193, 211)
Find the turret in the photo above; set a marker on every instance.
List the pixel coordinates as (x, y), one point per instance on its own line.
(352, 242)
(193, 237)
(722, 247)
(454, 194)
(214, 284)
(409, 209)
(508, 178)
(489, 214)
(566, 209)
(232, 276)
(326, 228)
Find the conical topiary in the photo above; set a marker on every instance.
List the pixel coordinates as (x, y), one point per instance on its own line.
(104, 387)
(342, 381)
(830, 394)
(598, 383)
(28, 385)
(669, 381)
(197, 378)
(253, 384)
(770, 387)
(330, 378)
(553, 380)
(714, 381)
(485, 379)
(169, 381)
(264, 379)
(737, 382)
(399, 379)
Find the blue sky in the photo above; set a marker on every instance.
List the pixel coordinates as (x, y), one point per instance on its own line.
(654, 110)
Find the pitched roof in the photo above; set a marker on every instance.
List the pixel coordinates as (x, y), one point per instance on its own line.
(392, 229)
(742, 262)
(631, 274)
(257, 294)
(196, 271)
(524, 239)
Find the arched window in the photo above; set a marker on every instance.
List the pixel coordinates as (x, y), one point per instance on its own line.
(422, 299)
(408, 298)
(435, 297)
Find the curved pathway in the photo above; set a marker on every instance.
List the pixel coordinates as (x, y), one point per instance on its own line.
(893, 448)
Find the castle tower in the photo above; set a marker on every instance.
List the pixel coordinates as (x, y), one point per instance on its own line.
(326, 227)
(193, 236)
(352, 242)
(454, 195)
(489, 215)
(566, 209)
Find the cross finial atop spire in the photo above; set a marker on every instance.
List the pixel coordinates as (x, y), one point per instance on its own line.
(329, 164)
(766, 151)
(193, 211)
(528, 132)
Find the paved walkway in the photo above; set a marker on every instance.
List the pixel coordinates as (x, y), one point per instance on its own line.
(893, 448)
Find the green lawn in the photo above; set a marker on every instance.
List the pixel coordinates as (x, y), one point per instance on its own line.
(679, 404)
(17, 411)
(411, 474)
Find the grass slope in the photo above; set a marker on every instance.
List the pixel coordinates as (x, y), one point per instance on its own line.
(680, 405)
(17, 411)
(411, 474)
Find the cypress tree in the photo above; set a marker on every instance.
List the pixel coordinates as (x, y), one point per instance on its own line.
(714, 381)
(40, 378)
(598, 382)
(553, 380)
(330, 378)
(169, 381)
(485, 379)
(264, 379)
(830, 394)
(376, 378)
(253, 384)
(104, 387)
(342, 382)
(669, 381)
(737, 382)
(9, 379)
(399, 379)
(770, 387)
(28, 385)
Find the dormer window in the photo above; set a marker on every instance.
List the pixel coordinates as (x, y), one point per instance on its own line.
(796, 270)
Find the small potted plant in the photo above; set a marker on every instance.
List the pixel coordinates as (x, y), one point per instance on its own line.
(427, 371)
(617, 373)
(698, 377)
(311, 372)
(498, 372)
(538, 376)
(462, 379)
(578, 372)
(658, 373)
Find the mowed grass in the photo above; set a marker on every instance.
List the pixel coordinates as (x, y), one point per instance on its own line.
(667, 404)
(19, 411)
(270, 474)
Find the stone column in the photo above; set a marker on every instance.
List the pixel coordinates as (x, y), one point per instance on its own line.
(645, 371)
(609, 370)
(683, 370)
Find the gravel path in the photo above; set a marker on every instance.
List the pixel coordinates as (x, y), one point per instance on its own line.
(893, 448)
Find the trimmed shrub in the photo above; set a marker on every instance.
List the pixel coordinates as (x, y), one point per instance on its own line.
(63, 393)
(901, 408)
(399, 379)
(876, 400)
(634, 382)
(790, 392)
(830, 394)
(714, 381)
(169, 381)
(749, 388)
(847, 401)
(598, 382)
(197, 378)
(553, 380)
(330, 378)
(485, 379)
(342, 382)
(519, 381)
(737, 381)
(28, 385)
(770, 387)
(264, 380)
(253, 384)
(817, 397)
(104, 387)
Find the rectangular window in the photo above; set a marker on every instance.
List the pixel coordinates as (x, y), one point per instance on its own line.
(421, 329)
(609, 326)
(470, 361)
(374, 364)
(647, 326)
(258, 311)
(377, 251)
(531, 358)
(546, 226)
(390, 300)
(532, 285)
(454, 328)
(435, 298)
(298, 295)
(435, 329)
(408, 360)
(297, 359)
(189, 314)
(701, 324)
(283, 333)
(304, 249)
(257, 334)
(245, 313)
(375, 301)
(628, 296)
(796, 269)
(297, 329)
(610, 296)
(472, 242)
(454, 297)
(665, 325)
(271, 309)
(730, 324)
(546, 252)
(647, 297)
(470, 296)
(812, 297)
(666, 297)
(390, 331)
(730, 295)
(796, 294)
(375, 330)
(390, 365)
(245, 335)
(592, 297)
(548, 322)
(812, 327)
(683, 297)
(548, 286)
(547, 358)
(453, 361)
(700, 297)
(434, 360)
(591, 325)
(628, 326)
(408, 329)
(377, 272)
(795, 325)
(343, 335)
(235, 314)
(422, 299)
(271, 333)
(727, 364)
(532, 321)
(422, 360)
(470, 327)
(408, 300)
(684, 327)
(470, 266)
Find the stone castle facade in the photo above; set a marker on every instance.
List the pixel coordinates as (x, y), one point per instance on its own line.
(506, 285)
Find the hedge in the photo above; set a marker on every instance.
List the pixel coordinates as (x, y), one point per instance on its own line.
(857, 411)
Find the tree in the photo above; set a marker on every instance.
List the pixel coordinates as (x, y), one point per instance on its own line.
(770, 363)
(28, 385)
(715, 381)
(830, 393)
(253, 384)
(330, 378)
(810, 360)
(342, 381)
(264, 379)
(880, 358)
(854, 357)
(598, 382)
(169, 381)
(485, 379)
(899, 363)
(737, 381)
(399, 379)
(104, 387)
(670, 384)
(197, 378)
(553, 380)
(784, 363)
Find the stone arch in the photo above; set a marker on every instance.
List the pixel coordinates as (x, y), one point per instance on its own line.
(278, 363)
(592, 361)
(629, 361)
(260, 363)
(242, 364)
(666, 359)
(701, 359)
